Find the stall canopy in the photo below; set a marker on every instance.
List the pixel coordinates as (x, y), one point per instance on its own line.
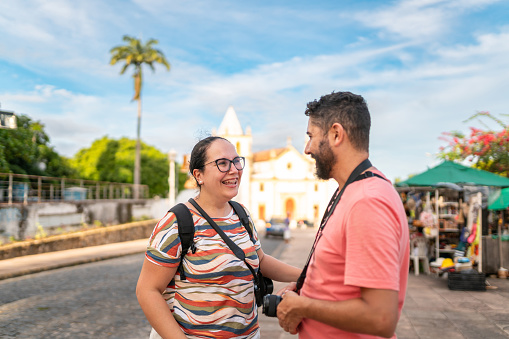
(500, 200)
(452, 172)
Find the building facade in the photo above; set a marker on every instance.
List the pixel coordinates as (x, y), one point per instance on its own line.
(277, 182)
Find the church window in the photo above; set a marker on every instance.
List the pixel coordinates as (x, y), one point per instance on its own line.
(316, 187)
(238, 147)
(262, 187)
(289, 165)
(315, 212)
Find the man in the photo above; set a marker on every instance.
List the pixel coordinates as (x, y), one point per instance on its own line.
(356, 280)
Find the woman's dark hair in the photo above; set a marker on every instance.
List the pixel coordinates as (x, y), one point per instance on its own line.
(199, 154)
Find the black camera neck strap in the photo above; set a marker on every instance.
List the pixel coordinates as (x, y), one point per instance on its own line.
(354, 176)
(239, 253)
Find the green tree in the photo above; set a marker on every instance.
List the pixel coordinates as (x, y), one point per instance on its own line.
(486, 149)
(136, 53)
(26, 150)
(112, 160)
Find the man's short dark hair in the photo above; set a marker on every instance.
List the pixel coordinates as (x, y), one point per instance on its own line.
(348, 109)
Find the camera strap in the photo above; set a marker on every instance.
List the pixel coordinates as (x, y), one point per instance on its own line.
(239, 253)
(354, 176)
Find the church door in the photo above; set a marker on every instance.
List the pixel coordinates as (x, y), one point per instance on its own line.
(290, 207)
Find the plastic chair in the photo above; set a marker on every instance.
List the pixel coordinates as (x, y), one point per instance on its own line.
(419, 251)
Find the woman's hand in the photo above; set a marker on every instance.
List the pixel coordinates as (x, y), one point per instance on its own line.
(290, 287)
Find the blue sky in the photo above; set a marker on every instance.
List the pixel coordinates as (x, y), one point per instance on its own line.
(423, 66)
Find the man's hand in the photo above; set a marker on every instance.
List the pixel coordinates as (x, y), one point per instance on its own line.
(289, 311)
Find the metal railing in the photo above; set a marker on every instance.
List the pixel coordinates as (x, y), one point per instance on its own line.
(21, 188)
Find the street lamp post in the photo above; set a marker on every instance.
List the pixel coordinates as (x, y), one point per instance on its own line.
(172, 155)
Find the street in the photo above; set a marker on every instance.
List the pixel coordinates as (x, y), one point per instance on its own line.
(95, 300)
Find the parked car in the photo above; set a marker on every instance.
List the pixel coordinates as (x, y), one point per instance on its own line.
(303, 223)
(275, 226)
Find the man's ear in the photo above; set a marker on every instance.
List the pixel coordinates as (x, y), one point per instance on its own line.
(336, 134)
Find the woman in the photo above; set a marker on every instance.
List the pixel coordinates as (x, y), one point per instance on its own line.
(216, 300)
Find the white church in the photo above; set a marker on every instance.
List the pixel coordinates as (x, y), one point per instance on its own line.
(277, 182)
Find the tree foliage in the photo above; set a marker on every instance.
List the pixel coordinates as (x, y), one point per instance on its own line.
(135, 54)
(26, 150)
(113, 160)
(486, 149)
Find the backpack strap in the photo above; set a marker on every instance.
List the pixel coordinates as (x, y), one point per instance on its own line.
(244, 219)
(186, 233)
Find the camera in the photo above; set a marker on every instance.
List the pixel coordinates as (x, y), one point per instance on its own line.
(263, 286)
(270, 302)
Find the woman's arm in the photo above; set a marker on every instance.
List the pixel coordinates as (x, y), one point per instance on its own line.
(277, 270)
(151, 284)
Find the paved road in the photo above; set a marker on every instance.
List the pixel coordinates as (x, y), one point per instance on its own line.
(94, 300)
(97, 300)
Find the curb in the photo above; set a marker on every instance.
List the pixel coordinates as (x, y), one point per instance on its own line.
(15, 267)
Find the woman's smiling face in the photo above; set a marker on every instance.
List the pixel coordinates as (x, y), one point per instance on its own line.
(214, 182)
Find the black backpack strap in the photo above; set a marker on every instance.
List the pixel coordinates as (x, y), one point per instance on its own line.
(244, 219)
(186, 233)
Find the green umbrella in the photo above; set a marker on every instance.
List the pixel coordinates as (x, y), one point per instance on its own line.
(499, 200)
(451, 172)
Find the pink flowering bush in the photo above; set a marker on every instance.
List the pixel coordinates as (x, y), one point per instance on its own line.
(484, 149)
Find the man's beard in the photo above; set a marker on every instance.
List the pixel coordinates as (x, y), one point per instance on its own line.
(325, 160)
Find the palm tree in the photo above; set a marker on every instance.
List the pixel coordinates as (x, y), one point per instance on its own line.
(136, 54)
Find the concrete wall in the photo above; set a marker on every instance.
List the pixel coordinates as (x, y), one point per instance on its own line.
(99, 236)
(26, 221)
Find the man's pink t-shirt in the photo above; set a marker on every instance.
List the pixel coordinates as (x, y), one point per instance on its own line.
(365, 243)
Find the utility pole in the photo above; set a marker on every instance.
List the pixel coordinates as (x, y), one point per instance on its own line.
(172, 155)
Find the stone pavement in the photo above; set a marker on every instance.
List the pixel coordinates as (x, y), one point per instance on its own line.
(431, 310)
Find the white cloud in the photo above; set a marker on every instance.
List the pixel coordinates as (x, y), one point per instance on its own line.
(416, 88)
(422, 20)
(487, 46)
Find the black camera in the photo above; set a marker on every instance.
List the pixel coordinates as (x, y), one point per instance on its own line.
(270, 302)
(262, 287)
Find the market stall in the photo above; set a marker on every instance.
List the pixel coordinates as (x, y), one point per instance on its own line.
(452, 190)
(499, 202)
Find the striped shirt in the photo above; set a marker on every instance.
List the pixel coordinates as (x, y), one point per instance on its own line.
(217, 298)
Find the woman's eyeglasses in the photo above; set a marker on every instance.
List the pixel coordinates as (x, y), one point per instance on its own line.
(224, 165)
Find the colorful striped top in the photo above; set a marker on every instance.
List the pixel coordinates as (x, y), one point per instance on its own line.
(217, 298)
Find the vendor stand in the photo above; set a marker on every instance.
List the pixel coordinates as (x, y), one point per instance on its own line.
(500, 202)
(474, 185)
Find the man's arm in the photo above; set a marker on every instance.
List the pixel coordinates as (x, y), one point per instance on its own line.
(375, 312)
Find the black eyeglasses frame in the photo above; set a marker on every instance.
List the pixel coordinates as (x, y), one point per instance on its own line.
(229, 164)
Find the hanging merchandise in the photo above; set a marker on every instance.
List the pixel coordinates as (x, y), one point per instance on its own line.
(474, 229)
(473, 235)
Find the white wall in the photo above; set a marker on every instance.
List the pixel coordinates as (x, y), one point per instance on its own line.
(68, 215)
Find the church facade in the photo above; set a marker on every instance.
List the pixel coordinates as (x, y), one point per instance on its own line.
(278, 182)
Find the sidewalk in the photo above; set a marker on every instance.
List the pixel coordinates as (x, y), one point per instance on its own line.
(431, 310)
(10, 268)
